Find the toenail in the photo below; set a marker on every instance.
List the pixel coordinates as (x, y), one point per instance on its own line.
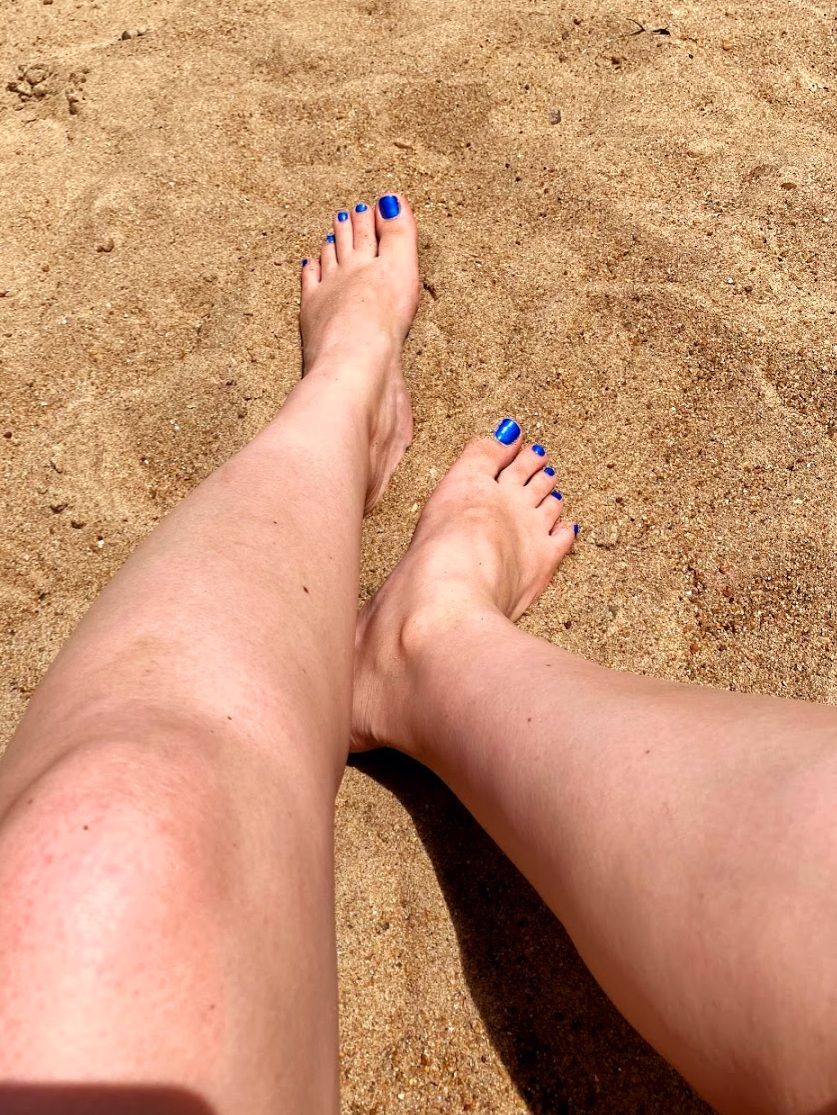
(557, 495)
(342, 215)
(508, 431)
(549, 470)
(330, 238)
(389, 206)
(360, 207)
(576, 528)
(305, 263)
(539, 449)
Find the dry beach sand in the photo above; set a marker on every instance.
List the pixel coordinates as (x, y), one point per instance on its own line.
(627, 242)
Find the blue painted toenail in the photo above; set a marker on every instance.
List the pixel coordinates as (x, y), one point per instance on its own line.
(330, 238)
(576, 528)
(342, 215)
(549, 470)
(557, 495)
(360, 207)
(305, 263)
(389, 206)
(539, 449)
(508, 431)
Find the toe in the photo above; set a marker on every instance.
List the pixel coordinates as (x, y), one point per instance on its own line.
(343, 236)
(529, 460)
(395, 226)
(552, 508)
(363, 227)
(565, 535)
(541, 484)
(328, 255)
(492, 454)
(309, 275)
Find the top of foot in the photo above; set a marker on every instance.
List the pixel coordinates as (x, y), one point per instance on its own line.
(358, 301)
(488, 542)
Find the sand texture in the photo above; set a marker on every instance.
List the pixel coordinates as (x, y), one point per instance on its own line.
(627, 242)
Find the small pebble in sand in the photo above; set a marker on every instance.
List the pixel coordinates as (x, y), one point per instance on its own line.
(606, 535)
(555, 117)
(39, 90)
(106, 245)
(36, 74)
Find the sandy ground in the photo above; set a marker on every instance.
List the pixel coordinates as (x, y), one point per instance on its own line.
(627, 242)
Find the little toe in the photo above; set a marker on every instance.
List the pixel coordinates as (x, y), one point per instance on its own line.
(541, 484)
(530, 459)
(492, 454)
(395, 226)
(565, 535)
(328, 256)
(363, 228)
(309, 275)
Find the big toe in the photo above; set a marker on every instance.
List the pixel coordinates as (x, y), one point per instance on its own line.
(492, 454)
(396, 229)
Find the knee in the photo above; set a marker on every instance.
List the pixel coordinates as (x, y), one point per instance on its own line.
(115, 827)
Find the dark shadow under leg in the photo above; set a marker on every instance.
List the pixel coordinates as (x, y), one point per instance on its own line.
(562, 1041)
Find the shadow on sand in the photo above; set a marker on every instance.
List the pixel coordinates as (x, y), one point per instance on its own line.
(562, 1041)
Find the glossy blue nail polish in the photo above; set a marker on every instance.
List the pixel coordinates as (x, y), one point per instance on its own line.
(305, 263)
(330, 238)
(508, 431)
(342, 215)
(539, 449)
(576, 528)
(549, 470)
(360, 207)
(557, 495)
(389, 206)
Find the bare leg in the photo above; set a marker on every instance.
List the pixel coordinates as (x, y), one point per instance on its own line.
(687, 838)
(166, 807)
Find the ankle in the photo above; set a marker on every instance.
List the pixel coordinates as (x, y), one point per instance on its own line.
(432, 638)
(351, 357)
(453, 615)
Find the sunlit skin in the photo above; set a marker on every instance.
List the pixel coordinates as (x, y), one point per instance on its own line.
(166, 805)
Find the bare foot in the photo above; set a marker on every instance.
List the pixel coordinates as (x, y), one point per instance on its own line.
(358, 302)
(488, 541)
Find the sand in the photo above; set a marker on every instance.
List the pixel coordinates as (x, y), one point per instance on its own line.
(627, 243)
